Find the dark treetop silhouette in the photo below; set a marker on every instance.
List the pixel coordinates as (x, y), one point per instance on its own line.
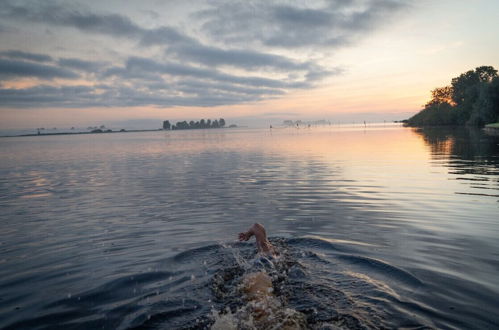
(471, 99)
(193, 125)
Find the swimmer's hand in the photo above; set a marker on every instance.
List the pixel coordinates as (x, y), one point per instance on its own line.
(245, 236)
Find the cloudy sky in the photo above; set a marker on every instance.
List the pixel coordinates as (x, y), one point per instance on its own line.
(69, 63)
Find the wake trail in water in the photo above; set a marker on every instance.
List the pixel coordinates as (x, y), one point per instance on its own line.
(313, 284)
(312, 290)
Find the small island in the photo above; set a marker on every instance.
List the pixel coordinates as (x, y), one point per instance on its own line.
(472, 99)
(220, 123)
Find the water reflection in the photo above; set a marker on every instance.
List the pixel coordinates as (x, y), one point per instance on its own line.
(467, 143)
(471, 156)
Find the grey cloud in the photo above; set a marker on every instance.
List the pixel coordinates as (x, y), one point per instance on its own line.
(14, 69)
(83, 96)
(115, 25)
(376, 12)
(195, 85)
(82, 65)
(151, 13)
(112, 24)
(141, 81)
(132, 98)
(164, 35)
(302, 18)
(183, 46)
(238, 57)
(330, 24)
(43, 95)
(4, 28)
(71, 15)
(194, 74)
(145, 66)
(125, 73)
(74, 16)
(17, 54)
(319, 74)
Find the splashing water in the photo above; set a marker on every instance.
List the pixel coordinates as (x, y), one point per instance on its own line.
(306, 291)
(261, 310)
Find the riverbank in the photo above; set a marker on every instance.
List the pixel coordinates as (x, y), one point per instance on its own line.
(492, 129)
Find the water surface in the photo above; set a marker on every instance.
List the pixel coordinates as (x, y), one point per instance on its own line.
(378, 227)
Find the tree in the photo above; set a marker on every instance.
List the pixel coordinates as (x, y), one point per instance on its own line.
(486, 73)
(461, 84)
(471, 99)
(434, 115)
(192, 124)
(441, 95)
(466, 85)
(182, 125)
(166, 124)
(486, 107)
(466, 92)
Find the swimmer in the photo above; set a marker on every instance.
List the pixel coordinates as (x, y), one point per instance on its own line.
(257, 286)
(263, 308)
(266, 309)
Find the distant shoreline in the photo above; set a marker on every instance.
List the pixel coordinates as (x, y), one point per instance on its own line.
(84, 133)
(103, 132)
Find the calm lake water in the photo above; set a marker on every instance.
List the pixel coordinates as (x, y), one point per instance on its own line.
(384, 227)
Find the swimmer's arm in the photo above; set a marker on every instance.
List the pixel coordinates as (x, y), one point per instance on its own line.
(246, 235)
(262, 243)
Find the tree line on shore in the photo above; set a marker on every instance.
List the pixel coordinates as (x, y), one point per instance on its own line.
(471, 99)
(208, 123)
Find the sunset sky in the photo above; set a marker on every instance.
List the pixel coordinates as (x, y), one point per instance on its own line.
(69, 63)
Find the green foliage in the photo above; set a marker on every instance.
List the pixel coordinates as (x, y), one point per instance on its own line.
(486, 108)
(471, 99)
(434, 115)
